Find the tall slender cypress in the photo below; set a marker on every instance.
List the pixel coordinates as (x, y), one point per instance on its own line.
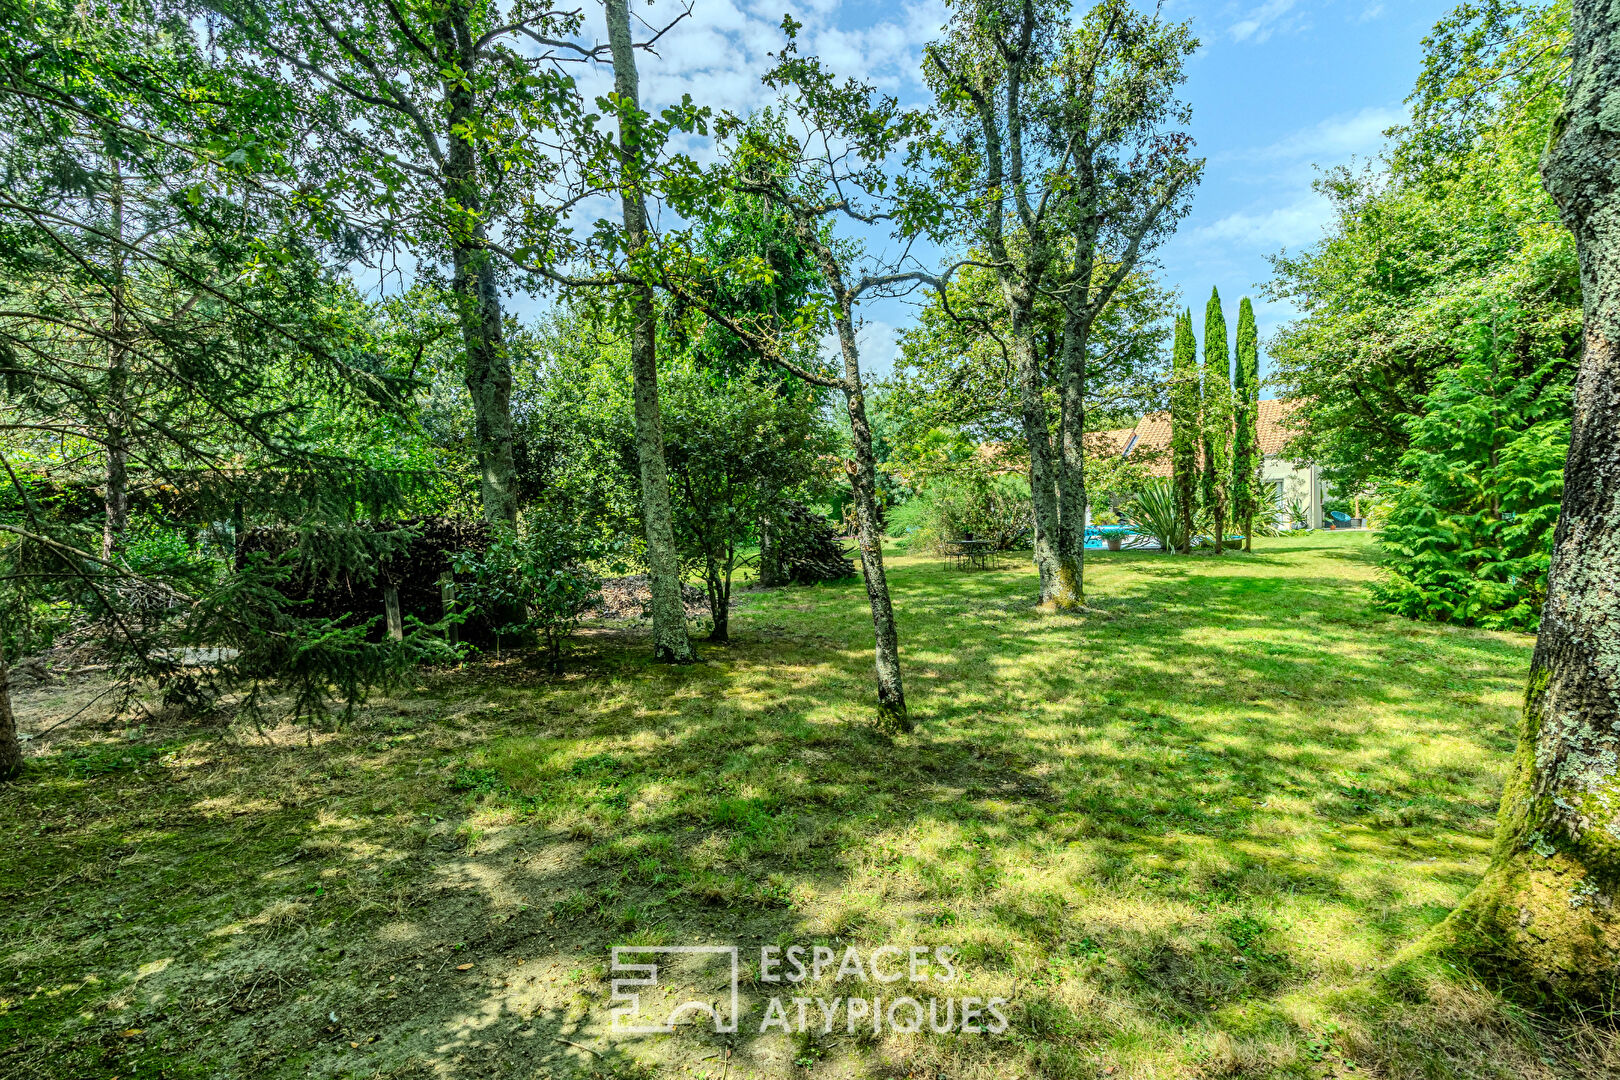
(1217, 419)
(1246, 437)
(1184, 430)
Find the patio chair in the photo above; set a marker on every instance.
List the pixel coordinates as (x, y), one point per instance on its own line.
(1341, 520)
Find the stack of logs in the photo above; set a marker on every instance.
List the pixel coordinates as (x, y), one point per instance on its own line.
(415, 578)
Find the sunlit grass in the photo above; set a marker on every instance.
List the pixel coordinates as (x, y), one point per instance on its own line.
(1185, 832)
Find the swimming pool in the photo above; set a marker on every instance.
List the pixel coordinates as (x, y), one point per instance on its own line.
(1097, 537)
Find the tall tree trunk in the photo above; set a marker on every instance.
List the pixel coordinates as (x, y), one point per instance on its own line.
(1071, 480)
(1545, 913)
(1037, 435)
(10, 749)
(115, 418)
(670, 641)
(487, 373)
(487, 369)
(863, 483)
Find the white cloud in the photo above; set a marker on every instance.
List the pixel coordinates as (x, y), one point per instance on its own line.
(1371, 12)
(1263, 21)
(1337, 137)
(1293, 214)
(1299, 223)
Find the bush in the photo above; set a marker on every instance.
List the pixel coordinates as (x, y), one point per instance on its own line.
(972, 502)
(533, 582)
(1469, 539)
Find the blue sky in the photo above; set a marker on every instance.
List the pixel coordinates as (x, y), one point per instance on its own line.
(1279, 88)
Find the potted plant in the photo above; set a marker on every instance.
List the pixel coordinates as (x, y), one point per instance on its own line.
(1107, 523)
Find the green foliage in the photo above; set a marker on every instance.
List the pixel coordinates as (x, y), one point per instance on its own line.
(740, 442)
(1157, 511)
(534, 580)
(1457, 223)
(1469, 539)
(1216, 424)
(247, 632)
(954, 368)
(972, 503)
(1246, 457)
(1185, 420)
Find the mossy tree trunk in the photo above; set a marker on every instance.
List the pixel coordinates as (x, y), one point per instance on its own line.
(863, 485)
(1544, 917)
(1056, 592)
(10, 747)
(670, 641)
(487, 368)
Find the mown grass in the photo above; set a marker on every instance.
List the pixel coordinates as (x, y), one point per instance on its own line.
(1185, 833)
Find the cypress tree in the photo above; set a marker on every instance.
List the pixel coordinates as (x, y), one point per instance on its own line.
(1246, 437)
(1217, 418)
(1184, 425)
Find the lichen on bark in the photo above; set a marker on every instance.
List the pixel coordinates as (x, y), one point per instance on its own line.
(1543, 920)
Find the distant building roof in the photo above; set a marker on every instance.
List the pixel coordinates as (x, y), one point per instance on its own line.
(1153, 432)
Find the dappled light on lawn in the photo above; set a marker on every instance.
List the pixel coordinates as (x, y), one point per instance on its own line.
(1185, 826)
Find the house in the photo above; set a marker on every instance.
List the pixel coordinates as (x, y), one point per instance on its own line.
(1288, 482)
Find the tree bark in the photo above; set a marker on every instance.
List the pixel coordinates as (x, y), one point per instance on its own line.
(11, 760)
(487, 369)
(1070, 592)
(670, 641)
(863, 483)
(1043, 478)
(115, 419)
(1544, 916)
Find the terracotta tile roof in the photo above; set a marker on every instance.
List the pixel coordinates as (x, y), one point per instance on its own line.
(1152, 432)
(1275, 430)
(1101, 443)
(1151, 437)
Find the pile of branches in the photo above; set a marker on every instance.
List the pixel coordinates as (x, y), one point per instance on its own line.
(631, 598)
(341, 574)
(808, 548)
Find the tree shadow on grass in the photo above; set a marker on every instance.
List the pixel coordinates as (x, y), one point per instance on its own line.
(1206, 793)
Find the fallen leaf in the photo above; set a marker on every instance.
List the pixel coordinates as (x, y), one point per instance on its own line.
(354, 1046)
(131, 1033)
(464, 967)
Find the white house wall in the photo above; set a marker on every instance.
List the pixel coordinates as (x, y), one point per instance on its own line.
(1297, 485)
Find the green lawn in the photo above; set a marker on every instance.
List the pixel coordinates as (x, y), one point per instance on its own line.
(1184, 834)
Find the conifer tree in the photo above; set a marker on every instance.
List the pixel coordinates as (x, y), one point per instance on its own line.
(1184, 425)
(1246, 436)
(1217, 418)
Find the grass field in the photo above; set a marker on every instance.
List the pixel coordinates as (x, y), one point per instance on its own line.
(1186, 833)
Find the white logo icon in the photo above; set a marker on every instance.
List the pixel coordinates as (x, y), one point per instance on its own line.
(627, 1018)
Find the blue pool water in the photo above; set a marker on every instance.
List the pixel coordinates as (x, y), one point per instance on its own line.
(1096, 535)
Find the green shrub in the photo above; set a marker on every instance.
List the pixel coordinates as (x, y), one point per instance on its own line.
(534, 581)
(1469, 539)
(1153, 513)
(970, 501)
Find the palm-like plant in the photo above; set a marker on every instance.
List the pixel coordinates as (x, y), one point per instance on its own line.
(1153, 513)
